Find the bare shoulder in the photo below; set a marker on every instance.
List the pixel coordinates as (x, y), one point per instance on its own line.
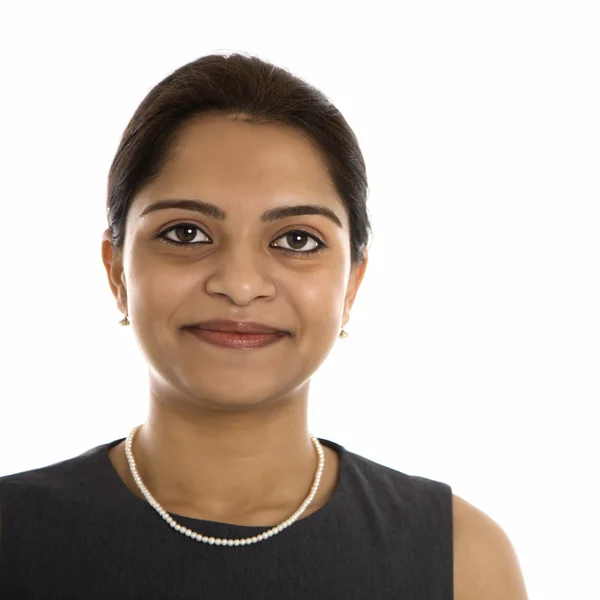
(485, 561)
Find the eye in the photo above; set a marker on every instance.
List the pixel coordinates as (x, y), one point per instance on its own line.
(187, 228)
(297, 238)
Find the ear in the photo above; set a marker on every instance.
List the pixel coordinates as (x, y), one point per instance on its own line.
(356, 276)
(113, 263)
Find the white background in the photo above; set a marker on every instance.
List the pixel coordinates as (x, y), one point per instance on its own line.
(474, 348)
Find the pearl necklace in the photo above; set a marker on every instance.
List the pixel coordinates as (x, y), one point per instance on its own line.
(224, 541)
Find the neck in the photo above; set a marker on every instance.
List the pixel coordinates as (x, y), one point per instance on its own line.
(230, 466)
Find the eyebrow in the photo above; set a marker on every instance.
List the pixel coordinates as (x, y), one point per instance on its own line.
(215, 212)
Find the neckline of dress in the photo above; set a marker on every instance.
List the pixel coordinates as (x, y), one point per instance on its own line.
(220, 529)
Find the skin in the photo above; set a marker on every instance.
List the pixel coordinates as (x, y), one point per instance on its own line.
(226, 438)
(485, 563)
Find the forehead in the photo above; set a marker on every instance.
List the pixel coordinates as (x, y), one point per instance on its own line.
(221, 142)
(224, 160)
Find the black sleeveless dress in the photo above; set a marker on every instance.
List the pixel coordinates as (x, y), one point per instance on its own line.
(73, 530)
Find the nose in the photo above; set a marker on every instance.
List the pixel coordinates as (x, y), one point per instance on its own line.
(241, 275)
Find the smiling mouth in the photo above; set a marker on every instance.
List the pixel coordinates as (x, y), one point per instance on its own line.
(236, 340)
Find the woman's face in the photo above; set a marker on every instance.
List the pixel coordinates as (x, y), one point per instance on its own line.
(235, 266)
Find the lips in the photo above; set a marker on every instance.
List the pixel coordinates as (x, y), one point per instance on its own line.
(236, 340)
(239, 327)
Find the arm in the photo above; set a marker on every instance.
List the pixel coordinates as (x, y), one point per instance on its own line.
(486, 566)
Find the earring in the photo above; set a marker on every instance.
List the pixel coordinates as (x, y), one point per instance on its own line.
(124, 321)
(344, 334)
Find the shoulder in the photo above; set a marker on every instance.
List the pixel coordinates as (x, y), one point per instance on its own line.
(19, 492)
(48, 482)
(421, 501)
(17, 489)
(418, 502)
(24, 492)
(406, 484)
(39, 479)
(485, 561)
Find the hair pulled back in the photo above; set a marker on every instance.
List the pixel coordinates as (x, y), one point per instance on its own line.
(254, 91)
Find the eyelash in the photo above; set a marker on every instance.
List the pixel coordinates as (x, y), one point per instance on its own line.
(294, 253)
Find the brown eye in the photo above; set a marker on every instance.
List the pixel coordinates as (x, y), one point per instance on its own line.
(185, 234)
(297, 239)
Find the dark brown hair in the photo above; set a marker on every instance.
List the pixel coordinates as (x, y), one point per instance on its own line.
(256, 91)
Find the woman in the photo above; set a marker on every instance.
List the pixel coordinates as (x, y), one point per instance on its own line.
(236, 247)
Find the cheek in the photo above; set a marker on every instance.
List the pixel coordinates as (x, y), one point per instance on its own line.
(155, 298)
(319, 304)
(156, 293)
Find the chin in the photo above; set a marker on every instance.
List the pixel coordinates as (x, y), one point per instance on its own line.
(233, 400)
